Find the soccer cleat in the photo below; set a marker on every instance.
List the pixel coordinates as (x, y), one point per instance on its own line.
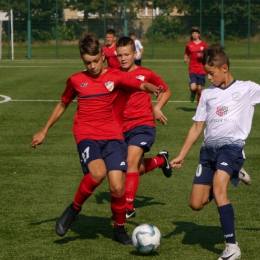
(244, 176)
(65, 220)
(192, 97)
(166, 168)
(130, 213)
(232, 252)
(121, 236)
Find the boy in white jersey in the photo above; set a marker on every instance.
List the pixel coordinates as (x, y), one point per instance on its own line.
(227, 108)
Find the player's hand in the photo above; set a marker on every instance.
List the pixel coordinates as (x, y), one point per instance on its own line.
(159, 93)
(185, 60)
(37, 139)
(177, 162)
(159, 116)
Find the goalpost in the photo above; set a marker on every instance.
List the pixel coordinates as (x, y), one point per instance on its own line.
(4, 17)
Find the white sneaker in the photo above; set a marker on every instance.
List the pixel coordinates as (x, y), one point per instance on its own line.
(232, 252)
(244, 176)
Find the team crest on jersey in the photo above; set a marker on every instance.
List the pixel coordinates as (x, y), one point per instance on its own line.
(109, 85)
(221, 111)
(202, 48)
(140, 77)
(115, 53)
(236, 96)
(83, 85)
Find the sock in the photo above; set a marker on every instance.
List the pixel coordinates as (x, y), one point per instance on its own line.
(227, 221)
(131, 185)
(85, 189)
(152, 163)
(118, 207)
(198, 96)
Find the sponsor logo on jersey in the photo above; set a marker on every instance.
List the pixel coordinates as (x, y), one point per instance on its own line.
(236, 96)
(221, 111)
(115, 53)
(83, 85)
(199, 170)
(140, 77)
(224, 163)
(110, 85)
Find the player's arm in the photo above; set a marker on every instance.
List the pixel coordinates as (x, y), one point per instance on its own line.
(141, 53)
(150, 88)
(185, 58)
(192, 136)
(55, 115)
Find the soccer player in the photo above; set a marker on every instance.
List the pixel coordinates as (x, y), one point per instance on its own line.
(139, 49)
(100, 144)
(194, 50)
(110, 49)
(227, 108)
(138, 123)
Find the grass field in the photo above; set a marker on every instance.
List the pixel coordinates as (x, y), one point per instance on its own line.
(37, 184)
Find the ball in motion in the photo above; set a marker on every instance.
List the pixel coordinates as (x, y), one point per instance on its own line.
(146, 238)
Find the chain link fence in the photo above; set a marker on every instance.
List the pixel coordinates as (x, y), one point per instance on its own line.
(51, 29)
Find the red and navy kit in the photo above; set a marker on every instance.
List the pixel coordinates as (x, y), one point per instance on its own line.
(94, 117)
(192, 50)
(111, 56)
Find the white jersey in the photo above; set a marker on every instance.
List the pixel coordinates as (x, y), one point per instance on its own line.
(138, 48)
(228, 112)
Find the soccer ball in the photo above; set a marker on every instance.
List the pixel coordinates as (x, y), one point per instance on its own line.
(146, 238)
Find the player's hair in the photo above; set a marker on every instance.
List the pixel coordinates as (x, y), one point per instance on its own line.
(89, 44)
(194, 29)
(214, 55)
(111, 31)
(124, 41)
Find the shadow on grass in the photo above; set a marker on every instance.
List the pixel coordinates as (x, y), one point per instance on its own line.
(140, 201)
(205, 236)
(186, 109)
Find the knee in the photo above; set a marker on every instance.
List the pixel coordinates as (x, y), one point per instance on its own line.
(197, 206)
(116, 189)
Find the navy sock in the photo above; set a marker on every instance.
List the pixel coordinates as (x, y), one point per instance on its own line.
(227, 221)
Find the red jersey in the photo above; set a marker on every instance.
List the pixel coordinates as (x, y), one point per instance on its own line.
(138, 109)
(111, 56)
(192, 50)
(94, 117)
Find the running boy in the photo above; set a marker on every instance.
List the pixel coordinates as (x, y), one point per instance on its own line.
(110, 50)
(138, 123)
(101, 148)
(227, 108)
(194, 49)
(139, 49)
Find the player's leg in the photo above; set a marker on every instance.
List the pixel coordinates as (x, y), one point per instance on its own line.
(94, 170)
(160, 160)
(201, 84)
(114, 154)
(193, 86)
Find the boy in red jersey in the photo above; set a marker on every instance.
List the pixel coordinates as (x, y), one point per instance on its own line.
(101, 148)
(110, 50)
(138, 123)
(195, 49)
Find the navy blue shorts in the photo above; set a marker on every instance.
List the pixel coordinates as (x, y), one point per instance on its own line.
(227, 158)
(199, 79)
(142, 136)
(113, 152)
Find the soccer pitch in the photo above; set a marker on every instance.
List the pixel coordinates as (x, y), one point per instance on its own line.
(37, 184)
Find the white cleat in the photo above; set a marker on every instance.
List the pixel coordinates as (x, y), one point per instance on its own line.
(244, 176)
(232, 252)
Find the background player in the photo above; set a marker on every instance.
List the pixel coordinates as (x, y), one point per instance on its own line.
(110, 49)
(138, 122)
(227, 107)
(101, 148)
(194, 49)
(139, 49)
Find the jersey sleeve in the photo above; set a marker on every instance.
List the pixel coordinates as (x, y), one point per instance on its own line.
(201, 112)
(254, 93)
(157, 81)
(129, 81)
(187, 52)
(70, 93)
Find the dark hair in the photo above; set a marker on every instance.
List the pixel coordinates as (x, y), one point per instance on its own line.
(111, 31)
(214, 55)
(89, 44)
(194, 29)
(124, 41)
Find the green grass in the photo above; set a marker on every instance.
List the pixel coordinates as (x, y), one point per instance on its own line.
(37, 184)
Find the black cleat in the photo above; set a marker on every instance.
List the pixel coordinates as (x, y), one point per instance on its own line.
(130, 213)
(65, 220)
(166, 168)
(121, 236)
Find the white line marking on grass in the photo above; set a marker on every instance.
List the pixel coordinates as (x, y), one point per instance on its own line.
(6, 99)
